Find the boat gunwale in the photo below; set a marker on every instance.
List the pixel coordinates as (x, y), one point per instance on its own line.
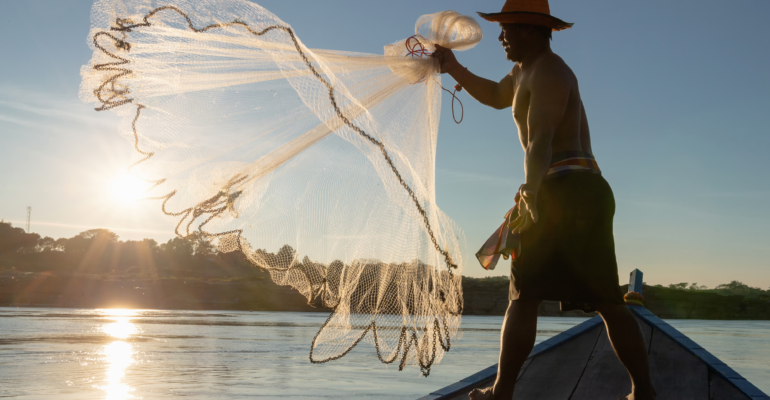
(714, 364)
(489, 373)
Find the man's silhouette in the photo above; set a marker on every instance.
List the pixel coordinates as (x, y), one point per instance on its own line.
(566, 208)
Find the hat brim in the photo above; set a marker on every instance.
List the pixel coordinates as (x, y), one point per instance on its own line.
(526, 17)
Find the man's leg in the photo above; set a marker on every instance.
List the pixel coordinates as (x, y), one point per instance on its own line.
(516, 341)
(628, 342)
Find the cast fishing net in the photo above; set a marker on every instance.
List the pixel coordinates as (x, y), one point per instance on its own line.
(318, 165)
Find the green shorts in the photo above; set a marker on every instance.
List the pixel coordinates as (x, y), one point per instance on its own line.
(569, 254)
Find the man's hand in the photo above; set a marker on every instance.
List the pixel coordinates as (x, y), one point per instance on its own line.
(446, 59)
(527, 212)
(493, 94)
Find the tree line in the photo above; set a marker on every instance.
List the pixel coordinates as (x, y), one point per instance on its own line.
(101, 252)
(734, 288)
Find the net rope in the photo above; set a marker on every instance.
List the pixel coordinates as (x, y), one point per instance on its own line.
(317, 165)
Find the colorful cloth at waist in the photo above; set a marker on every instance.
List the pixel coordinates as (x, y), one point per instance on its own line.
(572, 161)
(506, 244)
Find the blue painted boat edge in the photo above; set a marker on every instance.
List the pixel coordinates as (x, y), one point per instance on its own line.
(715, 364)
(465, 385)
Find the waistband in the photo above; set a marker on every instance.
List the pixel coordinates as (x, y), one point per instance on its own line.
(572, 161)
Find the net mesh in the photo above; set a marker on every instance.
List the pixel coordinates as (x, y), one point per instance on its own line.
(318, 165)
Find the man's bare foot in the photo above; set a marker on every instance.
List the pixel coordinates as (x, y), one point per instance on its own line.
(636, 394)
(481, 394)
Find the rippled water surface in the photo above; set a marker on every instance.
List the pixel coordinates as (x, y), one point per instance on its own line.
(150, 354)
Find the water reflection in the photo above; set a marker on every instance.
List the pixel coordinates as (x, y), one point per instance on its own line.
(122, 328)
(118, 354)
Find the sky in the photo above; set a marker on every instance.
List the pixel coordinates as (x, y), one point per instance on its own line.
(676, 95)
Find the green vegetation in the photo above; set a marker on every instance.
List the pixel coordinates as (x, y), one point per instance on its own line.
(733, 288)
(100, 253)
(96, 269)
(734, 300)
(729, 301)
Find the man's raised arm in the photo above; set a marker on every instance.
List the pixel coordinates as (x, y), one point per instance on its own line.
(497, 95)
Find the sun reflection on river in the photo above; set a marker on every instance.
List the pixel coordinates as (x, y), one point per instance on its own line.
(118, 354)
(122, 328)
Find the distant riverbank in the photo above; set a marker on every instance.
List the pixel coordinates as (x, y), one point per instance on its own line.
(94, 269)
(487, 296)
(48, 290)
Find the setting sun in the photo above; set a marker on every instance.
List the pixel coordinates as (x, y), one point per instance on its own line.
(127, 188)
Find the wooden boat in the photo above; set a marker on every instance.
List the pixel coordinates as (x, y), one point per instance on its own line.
(579, 364)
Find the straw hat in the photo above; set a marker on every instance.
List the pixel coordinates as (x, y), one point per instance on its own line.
(533, 12)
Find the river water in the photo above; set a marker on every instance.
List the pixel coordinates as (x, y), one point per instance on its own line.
(151, 354)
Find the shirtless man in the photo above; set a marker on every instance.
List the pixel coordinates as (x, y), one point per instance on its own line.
(565, 208)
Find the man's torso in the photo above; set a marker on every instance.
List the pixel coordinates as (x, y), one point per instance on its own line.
(571, 132)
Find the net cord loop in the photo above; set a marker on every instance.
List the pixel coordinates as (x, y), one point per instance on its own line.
(415, 48)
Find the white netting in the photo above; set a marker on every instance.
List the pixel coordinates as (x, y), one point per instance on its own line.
(317, 164)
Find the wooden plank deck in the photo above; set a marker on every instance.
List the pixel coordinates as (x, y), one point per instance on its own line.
(580, 364)
(565, 367)
(604, 375)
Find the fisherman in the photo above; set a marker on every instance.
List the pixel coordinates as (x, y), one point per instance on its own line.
(566, 208)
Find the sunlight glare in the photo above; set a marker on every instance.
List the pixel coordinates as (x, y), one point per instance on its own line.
(122, 328)
(128, 188)
(117, 312)
(119, 356)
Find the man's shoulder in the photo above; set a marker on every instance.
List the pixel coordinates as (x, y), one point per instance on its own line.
(552, 67)
(515, 70)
